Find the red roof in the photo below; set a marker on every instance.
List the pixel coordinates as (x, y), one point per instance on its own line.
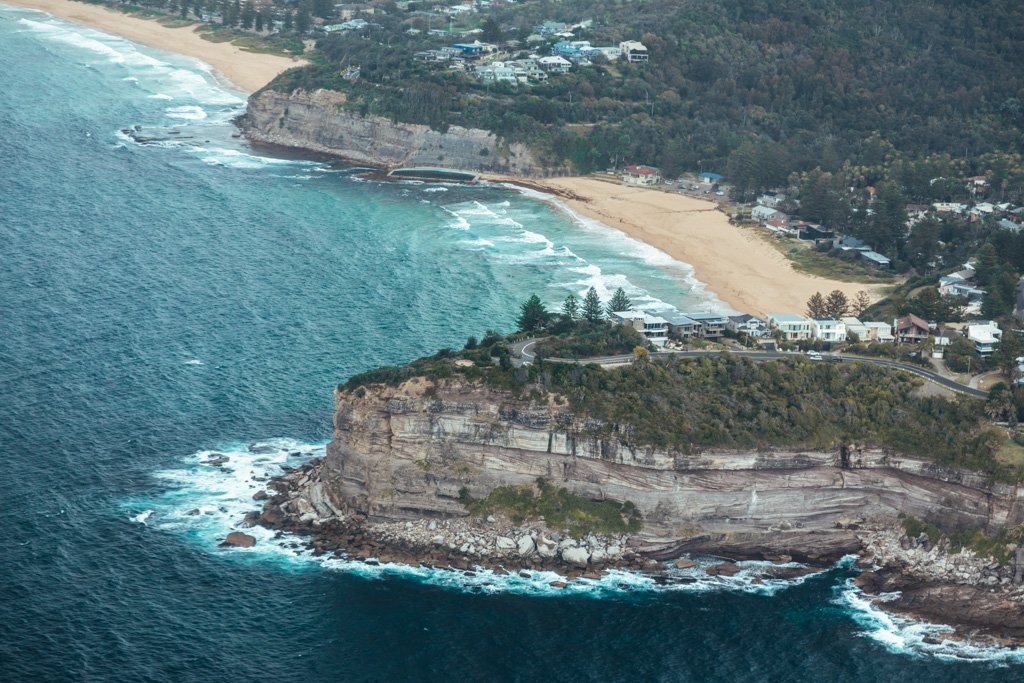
(641, 170)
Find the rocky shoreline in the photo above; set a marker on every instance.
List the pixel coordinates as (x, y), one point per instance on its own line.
(980, 599)
(463, 544)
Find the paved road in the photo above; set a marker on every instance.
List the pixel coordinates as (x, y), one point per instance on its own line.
(524, 350)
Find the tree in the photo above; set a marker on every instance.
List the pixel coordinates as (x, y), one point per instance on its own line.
(927, 304)
(836, 305)
(471, 343)
(1009, 349)
(592, 310)
(986, 264)
(861, 302)
(816, 307)
(533, 315)
(571, 308)
(491, 31)
(619, 302)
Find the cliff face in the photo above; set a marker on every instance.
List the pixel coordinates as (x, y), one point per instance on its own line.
(316, 121)
(406, 452)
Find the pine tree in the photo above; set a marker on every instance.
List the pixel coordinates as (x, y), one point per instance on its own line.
(861, 301)
(1009, 349)
(533, 315)
(619, 302)
(816, 306)
(592, 310)
(571, 308)
(836, 305)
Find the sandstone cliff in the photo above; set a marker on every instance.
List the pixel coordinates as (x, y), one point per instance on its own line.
(403, 453)
(318, 122)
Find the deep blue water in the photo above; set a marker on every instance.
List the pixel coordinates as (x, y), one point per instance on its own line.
(157, 302)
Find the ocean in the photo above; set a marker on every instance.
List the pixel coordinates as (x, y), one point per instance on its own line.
(163, 302)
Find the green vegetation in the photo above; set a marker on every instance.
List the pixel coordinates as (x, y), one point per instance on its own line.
(283, 46)
(813, 262)
(559, 508)
(977, 540)
(724, 402)
(751, 88)
(591, 340)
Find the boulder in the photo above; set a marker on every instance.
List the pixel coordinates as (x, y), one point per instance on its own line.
(724, 569)
(504, 543)
(259, 495)
(237, 539)
(576, 556)
(683, 563)
(526, 546)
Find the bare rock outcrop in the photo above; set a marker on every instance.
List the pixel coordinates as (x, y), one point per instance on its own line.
(318, 121)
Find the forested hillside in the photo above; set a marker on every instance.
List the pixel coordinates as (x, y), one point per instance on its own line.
(755, 88)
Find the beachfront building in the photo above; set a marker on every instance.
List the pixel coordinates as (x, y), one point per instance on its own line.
(555, 64)
(712, 325)
(682, 326)
(792, 327)
(653, 327)
(763, 214)
(748, 325)
(829, 331)
(985, 336)
(868, 331)
(641, 175)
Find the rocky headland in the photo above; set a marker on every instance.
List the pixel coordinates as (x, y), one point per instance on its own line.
(318, 121)
(406, 460)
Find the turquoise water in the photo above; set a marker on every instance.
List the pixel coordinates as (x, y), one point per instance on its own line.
(159, 302)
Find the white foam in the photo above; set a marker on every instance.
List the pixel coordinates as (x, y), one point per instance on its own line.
(905, 636)
(194, 361)
(208, 496)
(160, 96)
(233, 158)
(632, 247)
(435, 189)
(187, 112)
(142, 516)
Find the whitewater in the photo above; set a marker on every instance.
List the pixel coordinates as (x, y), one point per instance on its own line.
(167, 305)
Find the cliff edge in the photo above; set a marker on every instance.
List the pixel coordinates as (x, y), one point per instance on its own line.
(318, 121)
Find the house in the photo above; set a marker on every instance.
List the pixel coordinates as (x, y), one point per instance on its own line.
(828, 330)
(711, 177)
(712, 325)
(496, 72)
(555, 65)
(815, 232)
(782, 226)
(771, 200)
(748, 325)
(1007, 224)
(874, 258)
(470, 49)
(653, 327)
(641, 175)
(763, 214)
(985, 336)
(878, 332)
(682, 326)
(792, 327)
(911, 329)
(633, 51)
(949, 207)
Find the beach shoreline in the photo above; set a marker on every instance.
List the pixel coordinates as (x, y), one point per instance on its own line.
(734, 263)
(237, 68)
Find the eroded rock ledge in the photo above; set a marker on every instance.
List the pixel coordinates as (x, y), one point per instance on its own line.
(401, 457)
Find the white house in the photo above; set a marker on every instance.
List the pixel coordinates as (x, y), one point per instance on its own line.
(633, 51)
(829, 330)
(749, 325)
(712, 325)
(555, 65)
(793, 327)
(652, 326)
(641, 175)
(763, 214)
(682, 326)
(985, 336)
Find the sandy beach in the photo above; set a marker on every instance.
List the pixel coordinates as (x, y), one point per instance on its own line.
(735, 263)
(247, 71)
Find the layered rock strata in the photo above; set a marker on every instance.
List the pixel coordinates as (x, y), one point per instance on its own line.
(318, 121)
(403, 458)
